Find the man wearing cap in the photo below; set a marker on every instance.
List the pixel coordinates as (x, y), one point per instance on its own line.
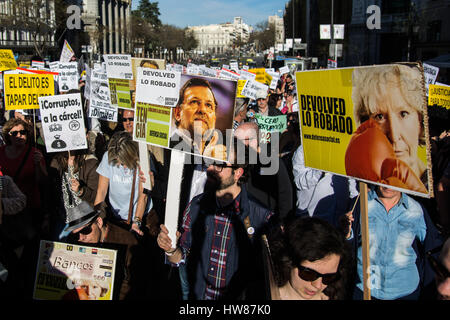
(88, 226)
(263, 107)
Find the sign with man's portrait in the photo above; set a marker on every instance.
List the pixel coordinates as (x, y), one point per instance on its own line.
(369, 123)
(197, 124)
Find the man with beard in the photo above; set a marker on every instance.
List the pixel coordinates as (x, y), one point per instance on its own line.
(219, 237)
(195, 119)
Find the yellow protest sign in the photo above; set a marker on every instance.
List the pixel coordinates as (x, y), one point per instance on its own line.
(240, 86)
(367, 124)
(261, 75)
(22, 91)
(7, 60)
(439, 96)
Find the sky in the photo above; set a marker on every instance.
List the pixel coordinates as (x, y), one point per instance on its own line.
(183, 13)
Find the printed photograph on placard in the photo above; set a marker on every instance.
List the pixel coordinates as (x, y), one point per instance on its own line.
(369, 123)
(72, 272)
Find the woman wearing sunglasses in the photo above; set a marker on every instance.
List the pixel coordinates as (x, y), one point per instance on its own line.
(310, 261)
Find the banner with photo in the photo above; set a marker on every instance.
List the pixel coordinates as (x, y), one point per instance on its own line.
(368, 123)
(63, 269)
(100, 106)
(63, 122)
(183, 127)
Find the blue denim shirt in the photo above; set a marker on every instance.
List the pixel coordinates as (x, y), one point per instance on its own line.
(393, 271)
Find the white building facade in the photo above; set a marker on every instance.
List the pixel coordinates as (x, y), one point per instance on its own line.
(220, 38)
(278, 23)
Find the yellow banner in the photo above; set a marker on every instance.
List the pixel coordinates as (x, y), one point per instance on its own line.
(22, 91)
(262, 76)
(439, 96)
(7, 60)
(240, 86)
(358, 122)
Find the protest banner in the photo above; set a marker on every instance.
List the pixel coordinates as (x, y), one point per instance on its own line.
(68, 76)
(66, 53)
(284, 70)
(240, 86)
(251, 88)
(208, 72)
(120, 93)
(118, 66)
(40, 65)
(7, 60)
(234, 66)
(439, 95)
(331, 64)
(63, 122)
(158, 87)
(178, 127)
(22, 91)
(230, 75)
(267, 125)
(192, 69)
(87, 83)
(144, 63)
(346, 125)
(63, 267)
(247, 75)
(100, 104)
(261, 75)
(430, 72)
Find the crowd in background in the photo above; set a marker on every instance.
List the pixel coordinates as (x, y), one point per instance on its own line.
(76, 197)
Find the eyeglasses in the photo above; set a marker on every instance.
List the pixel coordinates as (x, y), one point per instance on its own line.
(128, 119)
(15, 133)
(312, 275)
(219, 167)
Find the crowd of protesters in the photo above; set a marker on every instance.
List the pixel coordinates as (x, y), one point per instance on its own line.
(231, 216)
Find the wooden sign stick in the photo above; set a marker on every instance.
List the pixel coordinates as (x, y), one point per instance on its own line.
(365, 239)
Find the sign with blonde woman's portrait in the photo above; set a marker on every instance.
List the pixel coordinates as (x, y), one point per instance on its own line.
(72, 272)
(369, 123)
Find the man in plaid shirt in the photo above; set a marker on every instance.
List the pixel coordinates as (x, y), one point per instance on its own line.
(219, 240)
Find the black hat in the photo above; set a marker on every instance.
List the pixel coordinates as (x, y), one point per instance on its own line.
(80, 216)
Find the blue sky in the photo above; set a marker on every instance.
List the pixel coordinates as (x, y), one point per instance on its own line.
(183, 13)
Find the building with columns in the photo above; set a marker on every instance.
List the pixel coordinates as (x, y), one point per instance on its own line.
(108, 24)
(219, 38)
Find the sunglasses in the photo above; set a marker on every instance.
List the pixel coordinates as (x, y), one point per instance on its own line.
(86, 230)
(15, 133)
(312, 275)
(128, 119)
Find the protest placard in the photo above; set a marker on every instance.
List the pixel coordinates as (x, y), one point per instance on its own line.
(87, 83)
(208, 72)
(247, 75)
(430, 72)
(100, 104)
(240, 86)
(160, 87)
(63, 122)
(252, 87)
(267, 125)
(349, 128)
(66, 52)
(120, 93)
(68, 76)
(230, 75)
(118, 66)
(439, 95)
(177, 128)
(22, 91)
(192, 69)
(40, 65)
(284, 70)
(63, 267)
(144, 63)
(7, 60)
